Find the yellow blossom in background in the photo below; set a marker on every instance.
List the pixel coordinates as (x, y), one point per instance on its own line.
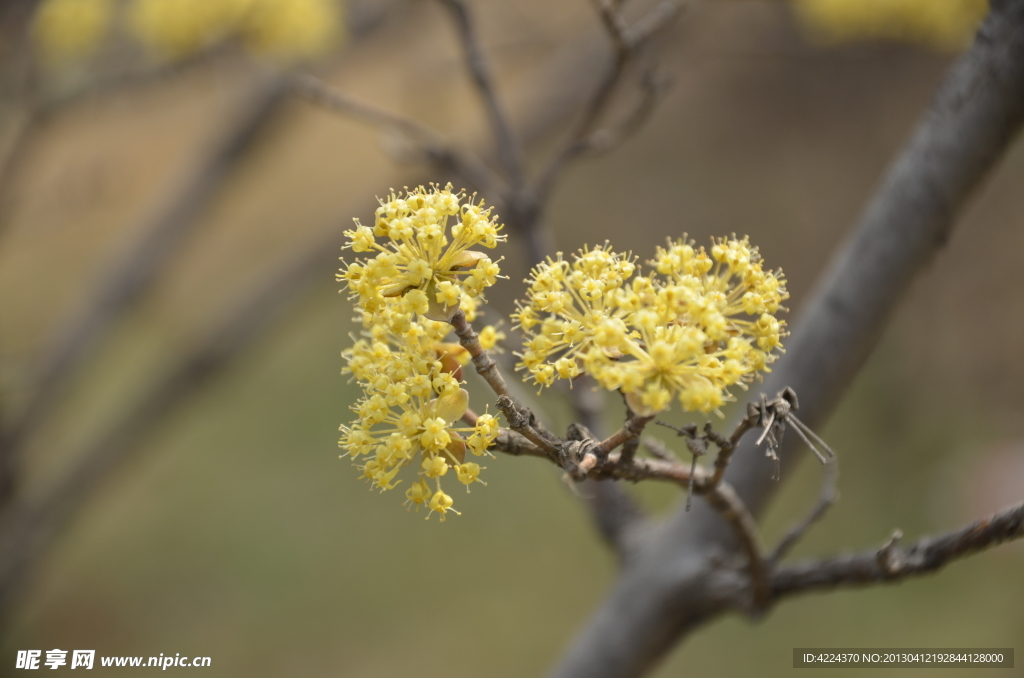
(292, 29)
(699, 324)
(490, 336)
(284, 30)
(178, 28)
(65, 30)
(425, 260)
(945, 24)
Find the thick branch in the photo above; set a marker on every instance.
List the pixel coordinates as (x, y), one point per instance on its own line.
(975, 115)
(894, 563)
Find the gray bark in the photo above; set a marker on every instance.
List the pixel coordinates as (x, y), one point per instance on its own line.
(675, 581)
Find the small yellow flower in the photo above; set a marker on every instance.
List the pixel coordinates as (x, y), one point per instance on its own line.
(490, 336)
(435, 467)
(573, 306)
(418, 494)
(441, 504)
(469, 473)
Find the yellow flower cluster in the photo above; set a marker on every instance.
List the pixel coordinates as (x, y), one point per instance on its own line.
(409, 372)
(411, 404)
(945, 24)
(65, 30)
(700, 323)
(428, 263)
(174, 29)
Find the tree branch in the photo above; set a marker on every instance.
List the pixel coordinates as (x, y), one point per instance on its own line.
(829, 495)
(519, 418)
(136, 270)
(510, 152)
(626, 42)
(893, 563)
(975, 115)
(28, 528)
(437, 149)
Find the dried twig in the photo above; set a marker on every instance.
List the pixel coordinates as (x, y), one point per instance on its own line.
(728, 504)
(437, 149)
(829, 494)
(631, 430)
(519, 418)
(974, 117)
(510, 151)
(627, 42)
(727, 446)
(893, 562)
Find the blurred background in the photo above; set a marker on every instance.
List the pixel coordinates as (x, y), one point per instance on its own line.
(181, 487)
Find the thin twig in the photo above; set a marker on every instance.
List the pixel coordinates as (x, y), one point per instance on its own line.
(510, 151)
(727, 446)
(894, 563)
(437, 149)
(829, 494)
(728, 504)
(630, 447)
(607, 138)
(519, 418)
(626, 44)
(631, 430)
(510, 442)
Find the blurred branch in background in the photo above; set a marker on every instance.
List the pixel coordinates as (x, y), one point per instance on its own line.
(133, 274)
(676, 574)
(30, 525)
(673, 584)
(38, 104)
(434, 147)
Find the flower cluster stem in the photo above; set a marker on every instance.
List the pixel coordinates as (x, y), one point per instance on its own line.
(519, 418)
